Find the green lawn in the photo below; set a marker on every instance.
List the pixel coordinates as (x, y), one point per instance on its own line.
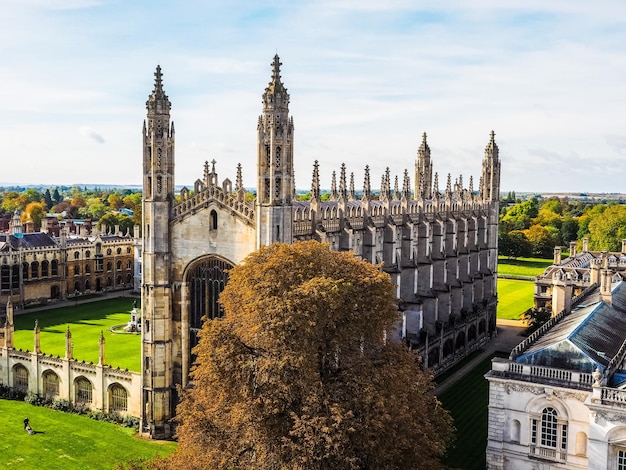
(86, 322)
(514, 297)
(65, 441)
(467, 402)
(522, 266)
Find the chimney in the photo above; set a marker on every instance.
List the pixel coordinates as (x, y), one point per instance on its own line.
(624, 245)
(562, 288)
(585, 245)
(594, 274)
(572, 249)
(557, 255)
(605, 285)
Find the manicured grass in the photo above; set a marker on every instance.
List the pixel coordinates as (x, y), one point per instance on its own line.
(86, 321)
(514, 298)
(522, 266)
(467, 402)
(65, 441)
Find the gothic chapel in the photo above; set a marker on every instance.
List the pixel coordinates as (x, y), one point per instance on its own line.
(439, 247)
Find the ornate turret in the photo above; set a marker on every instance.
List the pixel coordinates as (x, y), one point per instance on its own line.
(275, 185)
(158, 141)
(157, 397)
(423, 171)
(16, 224)
(490, 190)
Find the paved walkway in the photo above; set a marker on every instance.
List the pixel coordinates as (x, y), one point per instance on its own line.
(508, 337)
(79, 301)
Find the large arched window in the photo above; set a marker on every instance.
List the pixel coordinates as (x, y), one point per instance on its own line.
(83, 390)
(206, 280)
(118, 398)
(44, 268)
(50, 384)
(20, 378)
(548, 435)
(54, 266)
(34, 269)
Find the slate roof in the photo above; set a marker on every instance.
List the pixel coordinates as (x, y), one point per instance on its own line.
(28, 240)
(587, 338)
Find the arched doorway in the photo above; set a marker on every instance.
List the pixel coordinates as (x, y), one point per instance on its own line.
(205, 279)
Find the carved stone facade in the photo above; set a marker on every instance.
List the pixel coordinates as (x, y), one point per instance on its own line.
(559, 401)
(36, 268)
(439, 247)
(96, 386)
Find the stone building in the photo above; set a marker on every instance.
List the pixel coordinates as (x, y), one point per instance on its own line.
(439, 246)
(559, 400)
(36, 267)
(97, 386)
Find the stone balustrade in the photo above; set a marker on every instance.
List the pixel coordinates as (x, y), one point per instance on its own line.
(541, 374)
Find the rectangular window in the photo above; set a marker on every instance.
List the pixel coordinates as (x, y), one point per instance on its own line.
(564, 437)
(621, 460)
(533, 432)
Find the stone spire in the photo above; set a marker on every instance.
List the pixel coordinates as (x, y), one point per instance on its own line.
(158, 101)
(449, 186)
(423, 171)
(436, 185)
(36, 335)
(406, 185)
(471, 185)
(343, 190)
(367, 188)
(352, 193)
(491, 171)
(101, 355)
(276, 85)
(8, 326)
(68, 344)
(396, 189)
(333, 187)
(315, 184)
(385, 186)
(239, 178)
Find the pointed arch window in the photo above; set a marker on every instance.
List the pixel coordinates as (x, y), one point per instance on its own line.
(206, 281)
(213, 220)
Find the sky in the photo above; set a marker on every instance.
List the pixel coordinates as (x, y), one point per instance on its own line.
(366, 79)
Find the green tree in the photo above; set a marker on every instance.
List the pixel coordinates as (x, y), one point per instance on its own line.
(298, 374)
(514, 245)
(56, 196)
(607, 228)
(47, 197)
(34, 211)
(543, 240)
(519, 216)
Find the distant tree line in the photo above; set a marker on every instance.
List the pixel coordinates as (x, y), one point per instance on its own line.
(103, 207)
(535, 226)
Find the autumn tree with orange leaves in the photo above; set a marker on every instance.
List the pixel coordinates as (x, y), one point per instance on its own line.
(303, 373)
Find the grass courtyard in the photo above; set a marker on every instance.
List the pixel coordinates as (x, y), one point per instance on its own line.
(467, 402)
(86, 321)
(515, 296)
(66, 441)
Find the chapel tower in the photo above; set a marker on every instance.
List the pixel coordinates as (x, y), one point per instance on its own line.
(490, 187)
(157, 398)
(423, 171)
(275, 185)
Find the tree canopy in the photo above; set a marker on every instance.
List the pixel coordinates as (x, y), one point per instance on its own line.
(302, 372)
